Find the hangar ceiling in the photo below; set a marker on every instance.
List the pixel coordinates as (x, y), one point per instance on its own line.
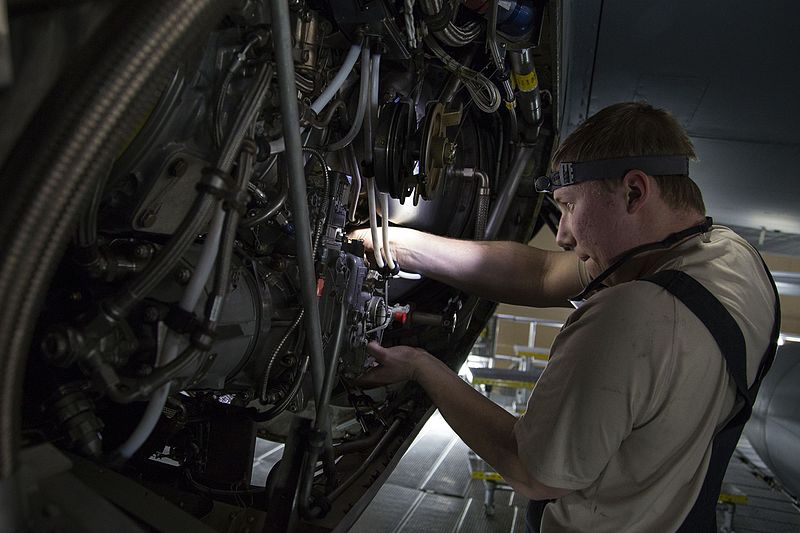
(726, 70)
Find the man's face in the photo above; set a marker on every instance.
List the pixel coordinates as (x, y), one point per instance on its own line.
(592, 223)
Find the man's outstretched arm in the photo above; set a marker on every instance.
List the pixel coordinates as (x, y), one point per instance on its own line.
(508, 272)
(484, 426)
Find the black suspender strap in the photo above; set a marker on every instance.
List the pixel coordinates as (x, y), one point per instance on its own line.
(729, 338)
(716, 318)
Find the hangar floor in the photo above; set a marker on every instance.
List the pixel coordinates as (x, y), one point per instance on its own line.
(432, 489)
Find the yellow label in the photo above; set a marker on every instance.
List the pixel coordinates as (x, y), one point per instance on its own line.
(726, 497)
(489, 476)
(535, 355)
(526, 82)
(504, 383)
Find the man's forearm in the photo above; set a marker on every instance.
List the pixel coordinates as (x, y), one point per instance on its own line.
(507, 272)
(484, 426)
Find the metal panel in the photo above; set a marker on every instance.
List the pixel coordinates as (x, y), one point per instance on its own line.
(452, 477)
(434, 513)
(774, 429)
(391, 505)
(721, 70)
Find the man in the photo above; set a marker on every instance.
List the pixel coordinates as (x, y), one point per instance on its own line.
(619, 429)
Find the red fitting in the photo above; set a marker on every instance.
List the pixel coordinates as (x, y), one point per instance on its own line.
(320, 287)
(401, 317)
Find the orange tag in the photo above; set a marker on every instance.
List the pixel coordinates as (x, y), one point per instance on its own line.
(320, 287)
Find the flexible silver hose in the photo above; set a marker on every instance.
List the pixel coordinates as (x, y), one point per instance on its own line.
(484, 93)
(89, 125)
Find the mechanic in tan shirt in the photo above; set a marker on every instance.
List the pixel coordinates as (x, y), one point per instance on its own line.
(618, 429)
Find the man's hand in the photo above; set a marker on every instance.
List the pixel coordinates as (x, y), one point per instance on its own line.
(363, 234)
(395, 364)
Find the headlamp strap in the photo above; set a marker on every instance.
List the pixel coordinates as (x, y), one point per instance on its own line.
(571, 173)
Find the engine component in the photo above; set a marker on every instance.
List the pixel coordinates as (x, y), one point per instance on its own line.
(529, 99)
(515, 18)
(373, 18)
(74, 412)
(223, 327)
(394, 147)
(437, 150)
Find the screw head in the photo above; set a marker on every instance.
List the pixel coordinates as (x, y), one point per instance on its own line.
(148, 218)
(150, 314)
(183, 275)
(177, 168)
(142, 251)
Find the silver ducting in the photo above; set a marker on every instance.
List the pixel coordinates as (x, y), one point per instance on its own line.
(774, 428)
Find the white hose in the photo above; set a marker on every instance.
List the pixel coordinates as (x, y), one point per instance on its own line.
(373, 223)
(363, 94)
(356, 182)
(375, 74)
(386, 249)
(408, 275)
(278, 145)
(338, 80)
(192, 294)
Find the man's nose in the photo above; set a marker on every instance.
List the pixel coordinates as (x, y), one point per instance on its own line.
(564, 237)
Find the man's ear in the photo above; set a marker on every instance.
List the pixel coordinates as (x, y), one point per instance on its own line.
(638, 188)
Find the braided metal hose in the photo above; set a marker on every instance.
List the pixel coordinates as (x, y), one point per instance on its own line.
(86, 121)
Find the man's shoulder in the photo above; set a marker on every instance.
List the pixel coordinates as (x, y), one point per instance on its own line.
(625, 306)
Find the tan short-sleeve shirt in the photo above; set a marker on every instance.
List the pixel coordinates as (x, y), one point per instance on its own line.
(626, 409)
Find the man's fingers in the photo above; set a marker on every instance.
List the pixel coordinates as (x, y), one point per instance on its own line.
(377, 351)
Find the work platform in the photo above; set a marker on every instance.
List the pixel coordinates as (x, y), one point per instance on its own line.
(432, 490)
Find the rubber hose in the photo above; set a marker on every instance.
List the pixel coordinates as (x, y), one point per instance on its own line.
(361, 106)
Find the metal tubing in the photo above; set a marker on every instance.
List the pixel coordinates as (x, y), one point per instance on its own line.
(366, 464)
(100, 113)
(282, 40)
(524, 152)
(323, 420)
(271, 210)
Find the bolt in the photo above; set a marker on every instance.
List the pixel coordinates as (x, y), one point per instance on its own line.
(183, 275)
(150, 314)
(449, 152)
(142, 251)
(55, 345)
(178, 168)
(148, 218)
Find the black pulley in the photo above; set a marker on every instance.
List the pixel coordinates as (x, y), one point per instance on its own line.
(392, 149)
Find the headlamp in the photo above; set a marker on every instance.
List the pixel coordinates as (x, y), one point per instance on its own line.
(580, 171)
